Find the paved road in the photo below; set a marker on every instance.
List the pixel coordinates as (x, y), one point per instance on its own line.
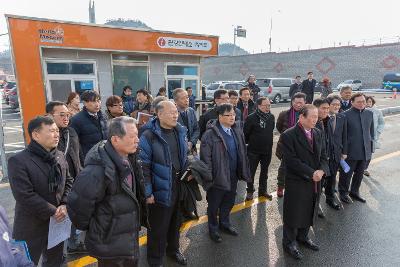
(359, 235)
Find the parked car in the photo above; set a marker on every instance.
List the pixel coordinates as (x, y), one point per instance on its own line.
(13, 98)
(354, 84)
(228, 85)
(6, 89)
(391, 80)
(276, 89)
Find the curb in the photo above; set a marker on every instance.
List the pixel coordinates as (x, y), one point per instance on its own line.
(390, 110)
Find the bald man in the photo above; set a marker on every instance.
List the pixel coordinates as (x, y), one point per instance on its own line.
(163, 151)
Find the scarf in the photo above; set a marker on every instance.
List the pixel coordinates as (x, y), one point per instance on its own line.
(54, 178)
(264, 117)
(292, 117)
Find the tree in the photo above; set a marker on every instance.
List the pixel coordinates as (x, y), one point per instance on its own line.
(226, 49)
(127, 23)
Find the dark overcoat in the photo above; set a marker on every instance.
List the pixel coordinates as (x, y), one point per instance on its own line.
(301, 161)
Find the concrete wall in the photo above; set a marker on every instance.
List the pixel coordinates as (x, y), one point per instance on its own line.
(368, 64)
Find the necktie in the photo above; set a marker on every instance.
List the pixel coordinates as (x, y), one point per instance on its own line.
(129, 178)
(333, 117)
(245, 111)
(309, 138)
(228, 131)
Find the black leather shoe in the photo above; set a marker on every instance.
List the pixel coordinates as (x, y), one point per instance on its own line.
(229, 230)
(190, 216)
(216, 237)
(357, 197)
(333, 205)
(293, 251)
(310, 244)
(178, 258)
(346, 199)
(265, 194)
(249, 196)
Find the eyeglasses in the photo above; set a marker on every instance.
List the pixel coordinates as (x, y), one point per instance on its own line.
(62, 115)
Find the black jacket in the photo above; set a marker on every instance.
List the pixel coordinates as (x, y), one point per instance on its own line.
(255, 89)
(259, 140)
(344, 107)
(214, 153)
(69, 143)
(102, 203)
(295, 88)
(360, 134)
(35, 204)
(90, 131)
(211, 114)
(308, 88)
(301, 161)
(252, 107)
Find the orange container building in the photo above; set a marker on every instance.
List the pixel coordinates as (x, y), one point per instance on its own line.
(53, 58)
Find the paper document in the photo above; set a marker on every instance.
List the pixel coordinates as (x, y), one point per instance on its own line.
(58, 231)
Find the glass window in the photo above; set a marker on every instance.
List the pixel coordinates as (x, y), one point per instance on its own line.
(135, 76)
(193, 84)
(181, 70)
(213, 86)
(230, 86)
(81, 86)
(172, 85)
(262, 82)
(281, 82)
(60, 89)
(70, 68)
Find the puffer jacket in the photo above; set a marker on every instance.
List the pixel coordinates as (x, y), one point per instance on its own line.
(102, 203)
(157, 162)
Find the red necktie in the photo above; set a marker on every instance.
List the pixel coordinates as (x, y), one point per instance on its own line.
(245, 111)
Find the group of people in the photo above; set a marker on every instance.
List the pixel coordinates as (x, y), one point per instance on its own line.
(111, 176)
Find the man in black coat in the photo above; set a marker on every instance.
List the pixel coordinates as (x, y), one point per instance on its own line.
(245, 104)
(296, 87)
(258, 132)
(40, 183)
(306, 163)
(251, 84)
(223, 150)
(108, 199)
(345, 94)
(360, 135)
(69, 145)
(221, 96)
(308, 87)
(90, 123)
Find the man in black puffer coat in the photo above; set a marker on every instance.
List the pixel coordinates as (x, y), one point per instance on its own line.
(107, 199)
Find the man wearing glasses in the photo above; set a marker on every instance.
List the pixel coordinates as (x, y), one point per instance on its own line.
(221, 96)
(69, 146)
(223, 149)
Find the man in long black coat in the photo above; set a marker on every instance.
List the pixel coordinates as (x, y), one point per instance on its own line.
(308, 87)
(306, 163)
(40, 183)
(360, 133)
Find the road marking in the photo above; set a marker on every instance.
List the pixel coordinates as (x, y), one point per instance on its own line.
(392, 116)
(385, 157)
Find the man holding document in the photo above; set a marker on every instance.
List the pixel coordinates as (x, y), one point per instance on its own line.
(40, 183)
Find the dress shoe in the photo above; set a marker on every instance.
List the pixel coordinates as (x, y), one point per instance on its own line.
(293, 251)
(178, 258)
(229, 230)
(215, 237)
(249, 196)
(357, 198)
(265, 194)
(346, 199)
(279, 192)
(310, 244)
(320, 212)
(366, 173)
(190, 216)
(333, 205)
(80, 249)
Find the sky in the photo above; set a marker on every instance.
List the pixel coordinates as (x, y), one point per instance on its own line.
(295, 24)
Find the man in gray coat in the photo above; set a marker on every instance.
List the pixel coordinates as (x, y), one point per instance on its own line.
(223, 149)
(360, 133)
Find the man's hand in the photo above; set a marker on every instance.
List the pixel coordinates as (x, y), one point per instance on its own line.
(150, 200)
(344, 156)
(317, 176)
(190, 145)
(61, 213)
